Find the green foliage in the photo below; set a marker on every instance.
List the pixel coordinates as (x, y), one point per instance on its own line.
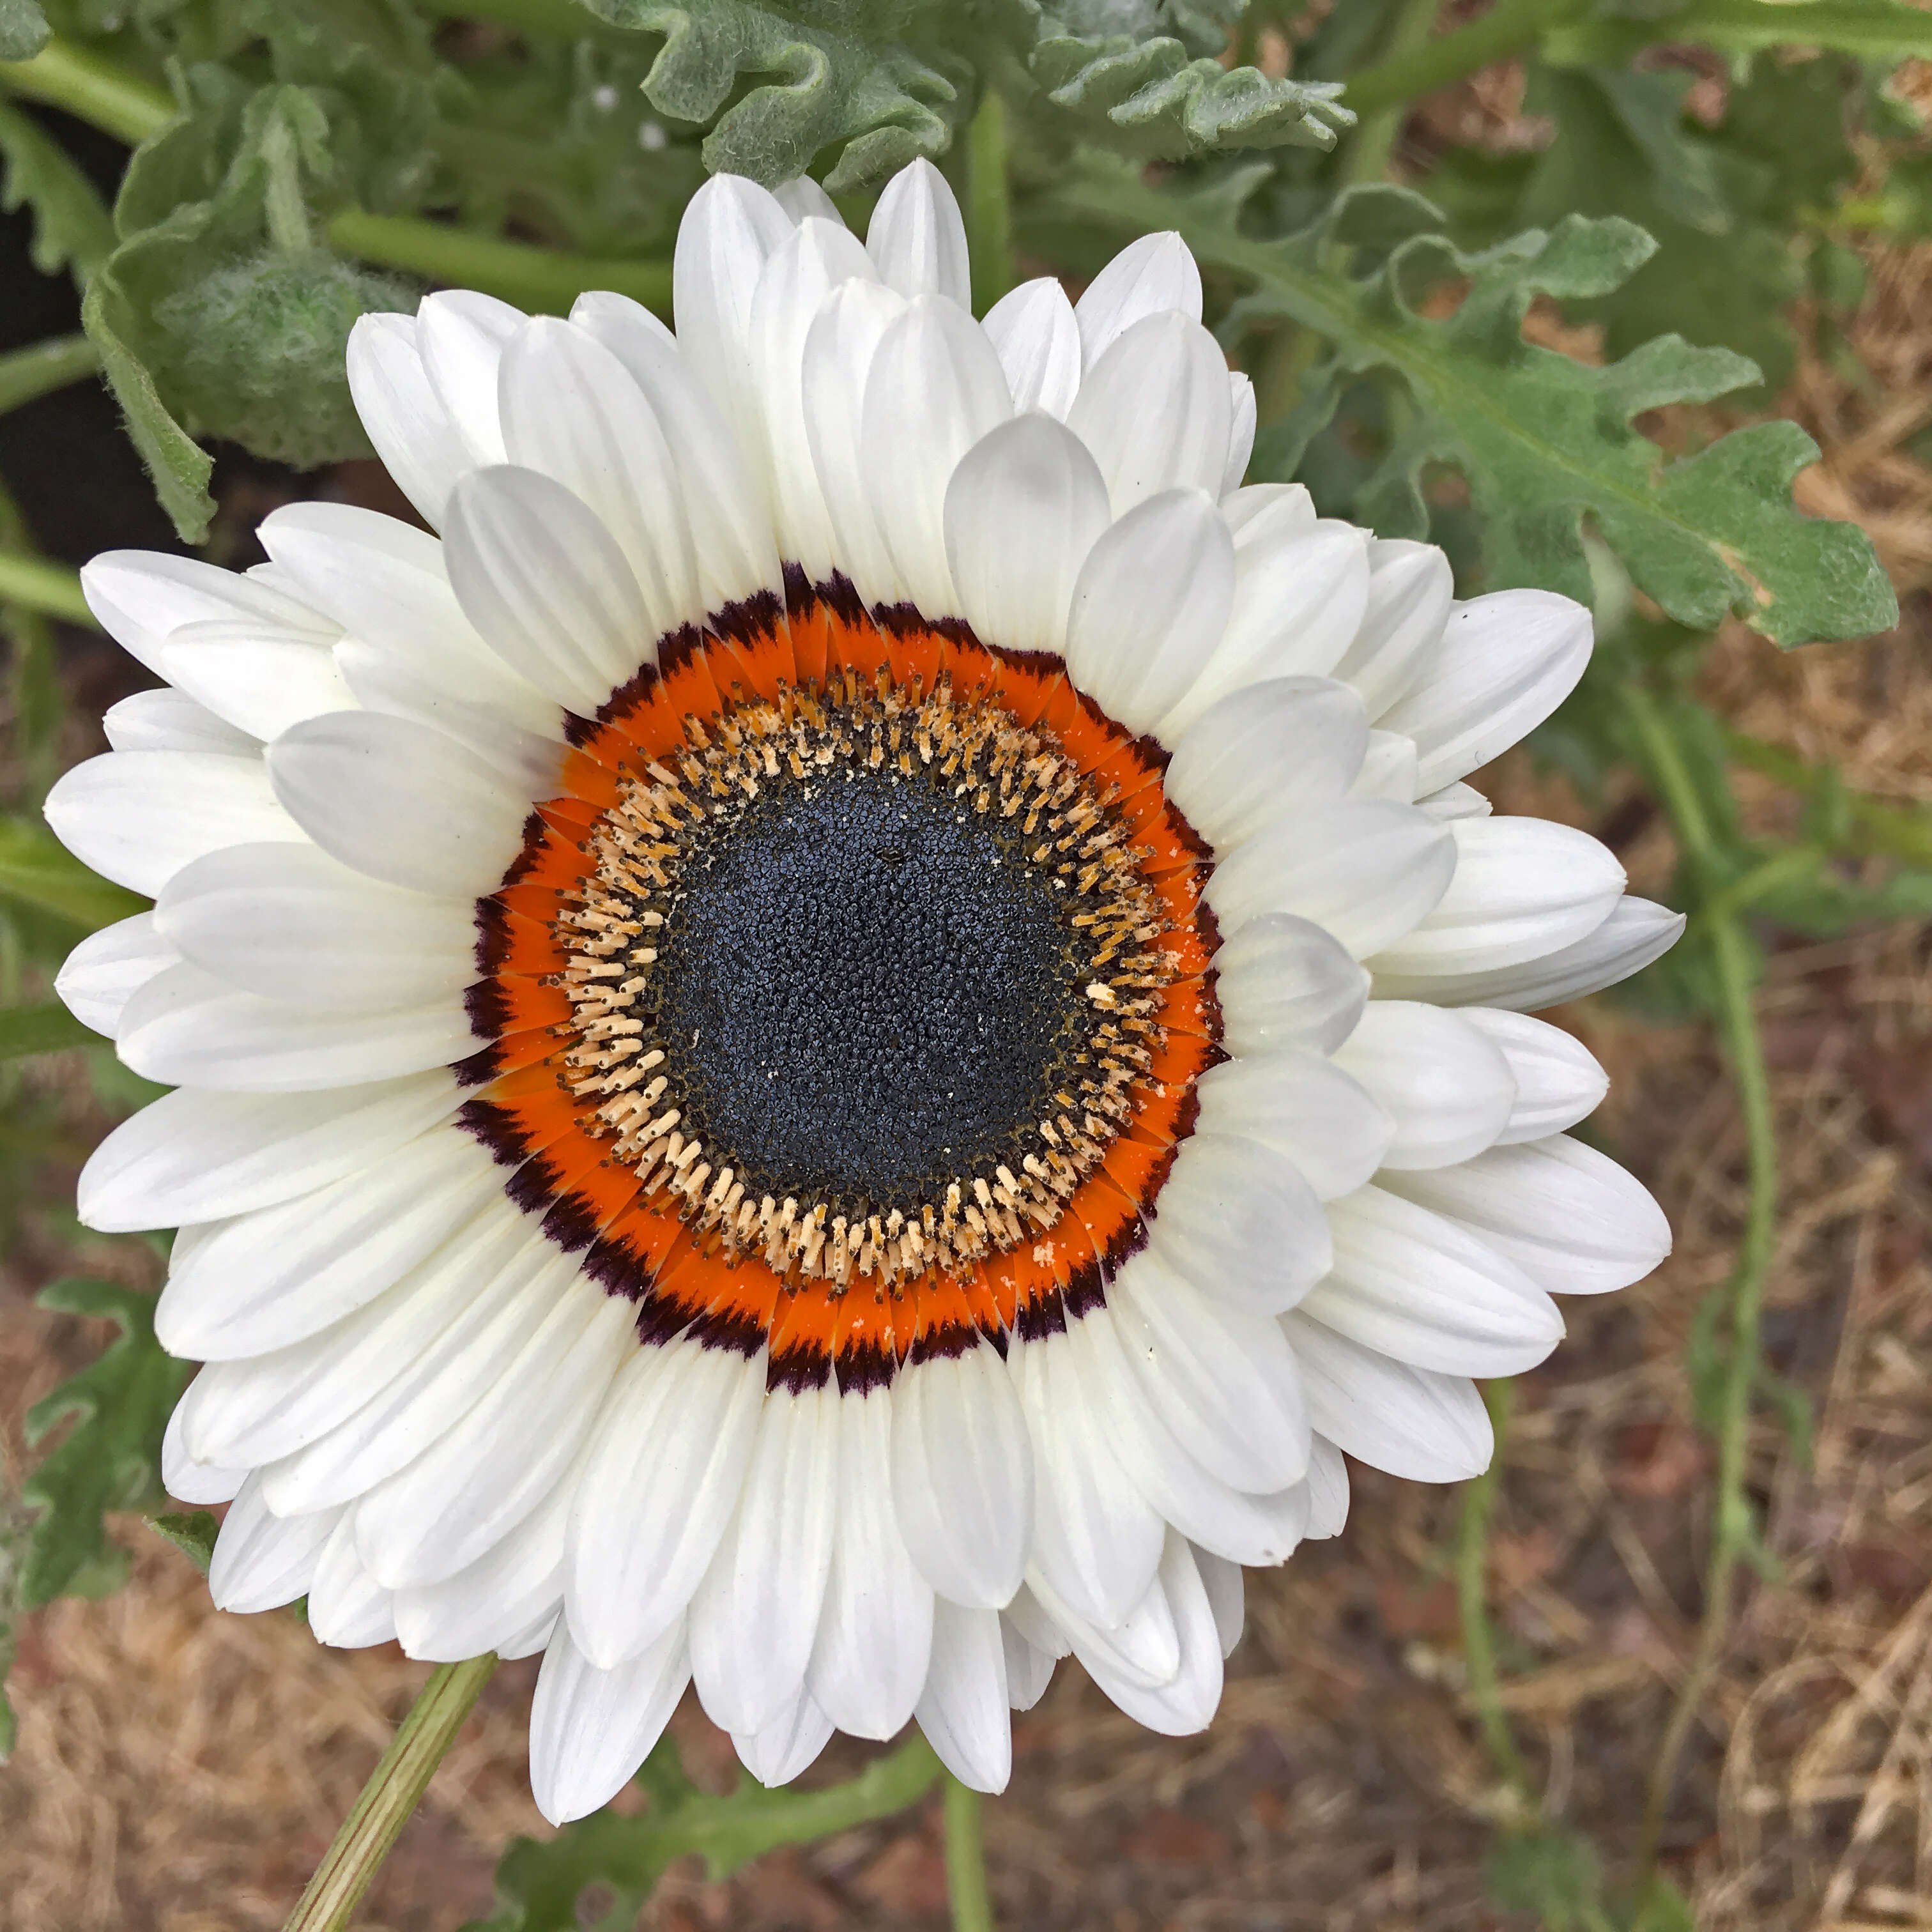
(70, 226)
(883, 82)
(539, 1885)
(37, 872)
(23, 29)
(110, 1458)
(1542, 441)
(47, 1027)
(191, 1532)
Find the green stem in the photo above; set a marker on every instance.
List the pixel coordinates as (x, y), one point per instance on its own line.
(1902, 831)
(391, 1794)
(533, 278)
(553, 19)
(1733, 1532)
(989, 213)
(92, 88)
(38, 585)
(1472, 1551)
(284, 207)
(42, 367)
(966, 1859)
(1510, 27)
(1366, 158)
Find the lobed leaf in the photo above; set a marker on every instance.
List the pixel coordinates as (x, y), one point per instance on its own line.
(1544, 441)
(71, 227)
(110, 1459)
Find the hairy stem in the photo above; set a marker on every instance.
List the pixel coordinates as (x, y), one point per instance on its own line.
(1366, 157)
(42, 367)
(35, 584)
(1733, 1532)
(989, 215)
(398, 1782)
(1891, 831)
(92, 88)
(1510, 27)
(1472, 1551)
(966, 1860)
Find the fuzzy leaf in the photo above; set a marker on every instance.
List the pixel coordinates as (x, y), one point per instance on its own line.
(70, 226)
(539, 1885)
(110, 1459)
(191, 1532)
(23, 29)
(1542, 441)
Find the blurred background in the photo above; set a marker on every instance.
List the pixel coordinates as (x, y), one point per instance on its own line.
(178, 1771)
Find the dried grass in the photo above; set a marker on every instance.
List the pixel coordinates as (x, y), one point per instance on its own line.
(180, 1770)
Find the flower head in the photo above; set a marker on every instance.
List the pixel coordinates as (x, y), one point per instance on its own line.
(842, 1043)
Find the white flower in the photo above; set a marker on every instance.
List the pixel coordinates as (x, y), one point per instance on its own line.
(841, 1044)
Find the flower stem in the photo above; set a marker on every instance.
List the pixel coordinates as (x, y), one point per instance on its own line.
(52, 588)
(966, 1859)
(1510, 27)
(989, 213)
(92, 88)
(1366, 158)
(1734, 1533)
(395, 1785)
(42, 367)
(1472, 1551)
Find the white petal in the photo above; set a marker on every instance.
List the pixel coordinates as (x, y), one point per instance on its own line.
(934, 389)
(1558, 1080)
(1411, 1284)
(1154, 409)
(261, 681)
(820, 256)
(137, 817)
(916, 236)
(1297, 601)
(547, 585)
(1304, 1105)
(355, 1402)
(1444, 1083)
(1143, 1648)
(1022, 511)
(1241, 430)
(1454, 801)
(505, 1453)
(1367, 870)
(663, 1480)
(839, 350)
(1033, 331)
(590, 1728)
(962, 1475)
(1149, 604)
(1222, 1580)
(802, 197)
(1570, 1217)
(730, 527)
(399, 802)
(1284, 982)
(187, 1028)
(415, 436)
(1224, 1381)
(1259, 754)
(1029, 1670)
(1411, 590)
(192, 1156)
(1505, 662)
(1388, 770)
(108, 967)
(262, 1281)
(730, 228)
(756, 1614)
(1328, 1490)
(1186, 1703)
(1268, 514)
(1523, 887)
(1237, 1220)
(1429, 1428)
(189, 1481)
(461, 336)
(262, 1560)
(788, 1744)
(963, 1709)
(1635, 933)
(288, 922)
(140, 596)
(573, 412)
(346, 1606)
(875, 1637)
(171, 721)
(1150, 276)
(1096, 1543)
